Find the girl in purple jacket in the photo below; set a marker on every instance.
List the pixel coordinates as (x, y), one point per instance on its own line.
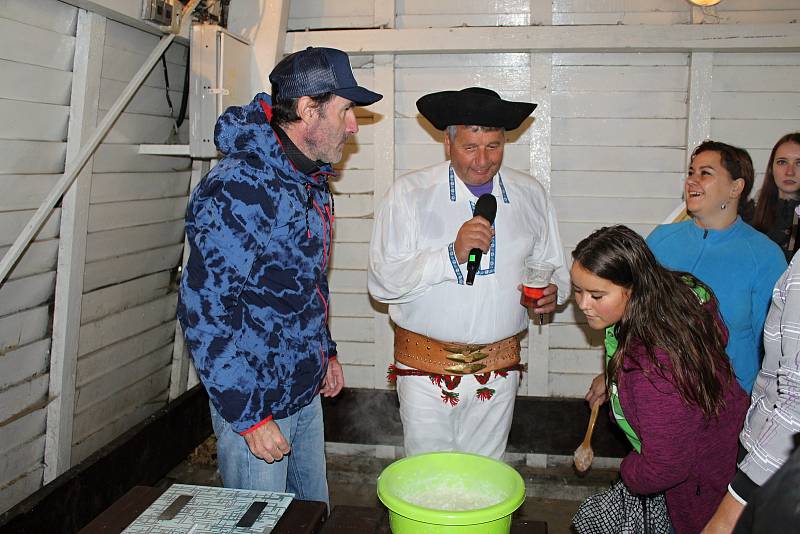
(669, 381)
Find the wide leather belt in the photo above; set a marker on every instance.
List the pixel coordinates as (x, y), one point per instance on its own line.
(438, 357)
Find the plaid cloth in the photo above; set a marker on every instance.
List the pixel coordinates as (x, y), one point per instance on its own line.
(617, 510)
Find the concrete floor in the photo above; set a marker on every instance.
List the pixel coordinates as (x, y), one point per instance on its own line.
(554, 492)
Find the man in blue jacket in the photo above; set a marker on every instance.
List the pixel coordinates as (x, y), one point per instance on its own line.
(253, 299)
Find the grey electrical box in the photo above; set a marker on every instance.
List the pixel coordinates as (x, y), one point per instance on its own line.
(159, 12)
(219, 77)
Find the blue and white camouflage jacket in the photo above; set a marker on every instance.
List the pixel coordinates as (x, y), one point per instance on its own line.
(253, 297)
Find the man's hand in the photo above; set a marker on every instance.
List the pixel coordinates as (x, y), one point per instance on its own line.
(333, 382)
(725, 517)
(267, 442)
(475, 233)
(598, 393)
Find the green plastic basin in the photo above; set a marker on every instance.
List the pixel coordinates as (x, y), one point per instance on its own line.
(483, 491)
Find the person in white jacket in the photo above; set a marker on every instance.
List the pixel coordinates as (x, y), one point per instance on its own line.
(457, 361)
(773, 421)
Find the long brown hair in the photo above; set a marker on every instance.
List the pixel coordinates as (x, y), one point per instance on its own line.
(738, 163)
(768, 195)
(663, 312)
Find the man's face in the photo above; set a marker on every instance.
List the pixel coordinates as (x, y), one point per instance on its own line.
(476, 155)
(329, 129)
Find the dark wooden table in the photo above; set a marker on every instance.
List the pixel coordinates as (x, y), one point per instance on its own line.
(366, 520)
(301, 517)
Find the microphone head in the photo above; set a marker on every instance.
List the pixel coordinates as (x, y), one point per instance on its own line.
(486, 207)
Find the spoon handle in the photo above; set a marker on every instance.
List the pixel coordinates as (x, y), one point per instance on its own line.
(592, 421)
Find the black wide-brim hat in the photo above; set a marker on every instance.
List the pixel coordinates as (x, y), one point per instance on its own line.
(473, 106)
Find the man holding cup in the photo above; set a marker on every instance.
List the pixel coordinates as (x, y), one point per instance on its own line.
(457, 352)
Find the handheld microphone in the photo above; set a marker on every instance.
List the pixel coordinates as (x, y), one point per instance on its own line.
(486, 207)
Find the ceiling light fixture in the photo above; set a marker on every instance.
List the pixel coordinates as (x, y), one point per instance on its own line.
(705, 2)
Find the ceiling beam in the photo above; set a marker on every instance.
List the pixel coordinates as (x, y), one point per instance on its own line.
(594, 38)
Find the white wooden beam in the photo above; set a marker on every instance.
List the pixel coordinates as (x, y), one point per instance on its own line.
(383, 75)
(698, 123)
(263, 23)
(384, 13)
(606, 38)
(89, 44)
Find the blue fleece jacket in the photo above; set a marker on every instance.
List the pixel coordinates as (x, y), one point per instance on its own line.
(741, 266)
(253, 297)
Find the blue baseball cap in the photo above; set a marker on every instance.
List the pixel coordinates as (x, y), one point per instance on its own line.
(314, 71)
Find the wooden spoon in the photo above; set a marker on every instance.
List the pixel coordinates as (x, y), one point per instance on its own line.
(583, 454)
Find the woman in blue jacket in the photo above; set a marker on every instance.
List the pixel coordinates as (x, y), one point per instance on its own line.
(740, 264)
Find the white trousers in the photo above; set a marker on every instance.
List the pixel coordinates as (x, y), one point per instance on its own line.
(472, 425)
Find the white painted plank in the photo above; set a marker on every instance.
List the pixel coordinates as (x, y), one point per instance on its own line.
(618, 159)
(357, 157)
(352, 329)
(24, 191)
(613, 78)
(40, 257)
(347, 281)
(352, 230)
(115, 187)
(15, 491)
(35, 46)
(426, 7)
(118, 269)
(46, 14)
(759, 17)
(573, 232)
(23, 363)
(33, 121)
(476, 59)
(28, 292)
(617, 184)
(12, 223)
(137, 128)
(350, 305)
(359, 376)
(22, 430)
(149, 100)
(110, 243)
(458, 20)
(574, 336)
(753, 133)
(125, 421)
(102, 390)
(96, 364)
(572, 386)
(126, 401)
(121, 65)
(355, 353)
(757, 58)
(33, 157)
(604, 6)
(622, 210)
(660, 18)
(110, 300)
(21, 397)
(34, 84)
(113, 215)
(354, 181)
(745, 5)
(23, 328)
(757, 79)
(619, 132)
(621, 59)
(316, 8)
(756, 106)
(126, 158)
(16, 462)
(114, 328)
(351, 206)
(446, 78)
(312, 23)
(126, 37)
(588, 104)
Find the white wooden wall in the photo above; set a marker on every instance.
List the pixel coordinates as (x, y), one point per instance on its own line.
(610, 139)
(133, 235)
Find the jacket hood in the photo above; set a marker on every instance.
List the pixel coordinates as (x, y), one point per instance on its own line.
(245, 128)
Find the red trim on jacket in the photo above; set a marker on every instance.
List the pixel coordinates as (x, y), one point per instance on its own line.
(255, 426)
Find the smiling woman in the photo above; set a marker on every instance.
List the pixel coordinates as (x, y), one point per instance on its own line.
(740, 264)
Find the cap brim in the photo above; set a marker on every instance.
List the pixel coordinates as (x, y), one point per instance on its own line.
(358, 95)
